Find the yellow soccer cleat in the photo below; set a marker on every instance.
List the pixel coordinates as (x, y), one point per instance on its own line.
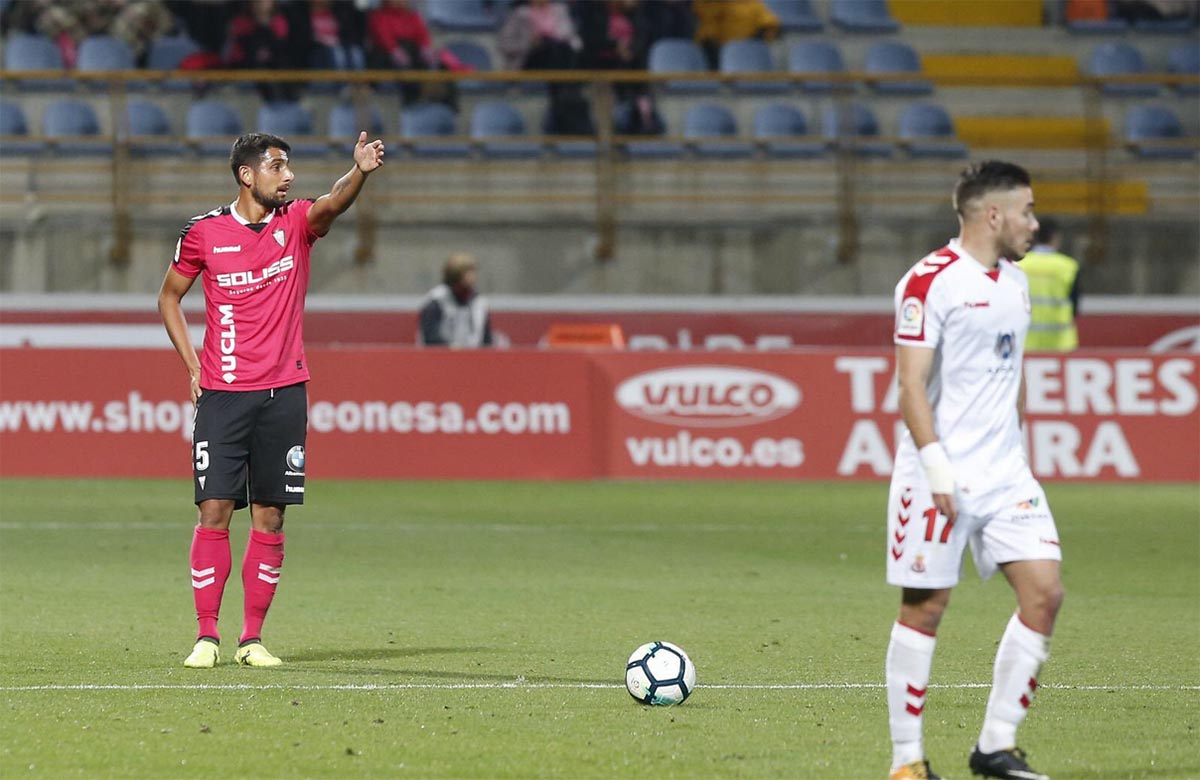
(205, 655)
(254, 654)
(915, 770)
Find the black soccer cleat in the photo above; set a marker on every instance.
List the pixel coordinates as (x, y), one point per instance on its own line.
(1005, 764)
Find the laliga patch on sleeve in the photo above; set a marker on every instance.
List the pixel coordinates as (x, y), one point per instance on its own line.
(911, 321)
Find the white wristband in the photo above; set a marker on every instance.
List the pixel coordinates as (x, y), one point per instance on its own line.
(938, 472)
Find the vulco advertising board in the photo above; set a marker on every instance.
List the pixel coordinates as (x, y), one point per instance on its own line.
(394, 413)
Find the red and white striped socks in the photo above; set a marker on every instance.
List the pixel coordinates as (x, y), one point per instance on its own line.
(210, 569)
(908, 666)
(260, 576)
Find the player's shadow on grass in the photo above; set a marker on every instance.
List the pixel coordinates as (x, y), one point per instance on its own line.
(378, 653)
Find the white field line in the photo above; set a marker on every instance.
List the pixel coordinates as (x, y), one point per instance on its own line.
(519, 685)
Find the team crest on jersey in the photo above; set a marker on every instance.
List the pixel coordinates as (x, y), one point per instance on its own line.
(919, 564)
(1029, 505)
(1004, 345)
(912, 317)
(278, 234)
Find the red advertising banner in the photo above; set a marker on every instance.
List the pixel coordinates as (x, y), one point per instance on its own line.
(394, 413)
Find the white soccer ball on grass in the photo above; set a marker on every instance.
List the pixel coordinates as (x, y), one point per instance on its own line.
(660, 673)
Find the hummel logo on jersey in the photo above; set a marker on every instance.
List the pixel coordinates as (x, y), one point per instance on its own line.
(278, 234)
(979, 305)
(217, 250)
(293, 489)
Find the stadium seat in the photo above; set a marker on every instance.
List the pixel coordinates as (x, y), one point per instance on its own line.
(751, 56)
(796, 15)
(104, 52)
(498, 127)
(566, 146)
(680, 55)
(1117, 58)
(1148, 127)
(926, 130)
(852, 126)
(478, 57)
(13, 129)
(894, 58)
(778, 128)
(1184, 60)
(422, 123)
(35, 52)
(149, 129)
(817, 57)
(321, 57)
(212, 125)
(74, 125)
(862, 16)
(1183, 23)
(654, 147)
(464, 14)
(167, 53)
(345, 123)
(293, 123)
(707, 127)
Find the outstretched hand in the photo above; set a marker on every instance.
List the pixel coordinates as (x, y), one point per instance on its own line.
(368, 156)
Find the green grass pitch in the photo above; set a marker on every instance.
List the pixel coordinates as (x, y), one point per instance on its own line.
(480, 630)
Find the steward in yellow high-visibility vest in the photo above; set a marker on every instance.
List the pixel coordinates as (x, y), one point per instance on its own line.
(1053, 292)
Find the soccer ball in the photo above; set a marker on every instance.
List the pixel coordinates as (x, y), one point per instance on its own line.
(660, 673)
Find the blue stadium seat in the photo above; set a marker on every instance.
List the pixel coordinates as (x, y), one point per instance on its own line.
(817, 57)
(13, 128)
(894, 58)
(862, 16)
(422, 123)
(1117, 58)
(345, 124)
(499, 128)
(464, 14)
(713, 131)
(1184, 23)
(293, 123)
(680, 55)
(322, 57)
(852, 126)
(1146, 127)
(166, 53)
(74, 126)
(751, 56)
(212, 125)
(654, 147)
(779, 128)
(149, 129)
(926, 130)
(104, 52)
(478, 57)
(1184, 60)
(35, 52)
(796, 15)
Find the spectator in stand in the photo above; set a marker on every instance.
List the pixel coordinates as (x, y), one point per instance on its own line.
(453, 314)
(539, 35)
(205, 23)
(331, 33)
(613, 35)
(139, 22)
(667, 19)
(260, 39)
(399, 39)
(721, 21)
(66, 22)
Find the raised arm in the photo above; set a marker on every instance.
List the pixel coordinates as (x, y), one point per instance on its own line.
(175, 285)
(913, 366)
(367, 157)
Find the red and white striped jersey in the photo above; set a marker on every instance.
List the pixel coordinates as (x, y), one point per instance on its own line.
(976, 320)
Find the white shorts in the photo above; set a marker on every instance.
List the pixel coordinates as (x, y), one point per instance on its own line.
(1003, 525)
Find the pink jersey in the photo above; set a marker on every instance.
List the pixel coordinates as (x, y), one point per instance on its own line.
(254, 286)
(976, 320)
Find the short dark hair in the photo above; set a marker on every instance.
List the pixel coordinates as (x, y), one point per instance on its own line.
(985, 177)
(1048, 228)
(249, 147)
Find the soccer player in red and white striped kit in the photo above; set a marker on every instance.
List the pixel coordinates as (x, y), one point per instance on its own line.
(250, 383)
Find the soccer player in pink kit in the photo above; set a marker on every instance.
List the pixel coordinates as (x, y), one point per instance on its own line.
(249, 386)
(961, 476)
